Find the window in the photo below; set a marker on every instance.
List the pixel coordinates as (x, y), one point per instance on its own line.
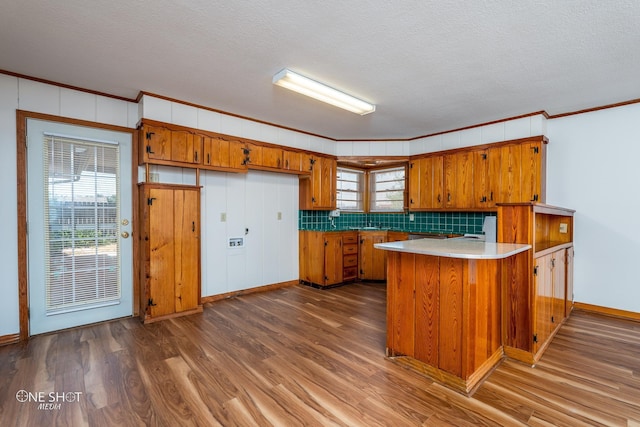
(386, 190)
(350, 190)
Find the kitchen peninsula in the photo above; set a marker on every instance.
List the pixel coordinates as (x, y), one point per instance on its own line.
(444, 306)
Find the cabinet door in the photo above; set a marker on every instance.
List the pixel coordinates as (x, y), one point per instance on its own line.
(559, 270)
(333, 258)
(272, 157)
(161, 243)
(436, 198)
(510, 190)
(481, 186)
(237, 155)
(372, 260)
(157, 143)
(543, 278)
(254, 154)
(292, 160)
(464, 180)
(569, 283)
(325, 189)
(450, 180)
(185, 147)
(494, 176)
(415, 184)
(531, 172)
(186, 248)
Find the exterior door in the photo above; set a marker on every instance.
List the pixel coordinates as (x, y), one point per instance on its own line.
(79, 221)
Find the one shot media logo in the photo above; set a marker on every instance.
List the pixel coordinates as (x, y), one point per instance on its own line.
(48, 401)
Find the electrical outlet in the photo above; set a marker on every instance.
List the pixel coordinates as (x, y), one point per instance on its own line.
(279, 216)
(154, 177)
(564, 227)
(236, 242)
(412, 217)
(223, 217)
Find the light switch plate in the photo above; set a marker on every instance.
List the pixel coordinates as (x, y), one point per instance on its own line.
(223, 217)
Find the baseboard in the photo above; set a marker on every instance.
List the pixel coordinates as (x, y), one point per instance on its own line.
(214, 298)
(9, 339)
(623, 314)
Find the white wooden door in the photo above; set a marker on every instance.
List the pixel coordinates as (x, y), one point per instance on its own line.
(79, 221)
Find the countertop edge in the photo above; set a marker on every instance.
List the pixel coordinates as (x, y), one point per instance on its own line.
(445, 248)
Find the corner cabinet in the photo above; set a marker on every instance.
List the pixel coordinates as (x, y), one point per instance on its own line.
(318, 190)
(170, 251)
(537, 296)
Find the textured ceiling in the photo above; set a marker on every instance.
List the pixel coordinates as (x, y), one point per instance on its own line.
(429, 66)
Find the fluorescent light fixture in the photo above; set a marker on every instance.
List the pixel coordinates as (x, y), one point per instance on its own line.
(306, 86)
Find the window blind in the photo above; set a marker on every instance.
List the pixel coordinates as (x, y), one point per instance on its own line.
(82, 227)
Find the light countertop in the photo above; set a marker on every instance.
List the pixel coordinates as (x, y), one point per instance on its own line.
(456, 248)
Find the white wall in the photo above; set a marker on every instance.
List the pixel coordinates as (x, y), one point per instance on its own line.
(16, 93)
(594, 167)
(248, 201)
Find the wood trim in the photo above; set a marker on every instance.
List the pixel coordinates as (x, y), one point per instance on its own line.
(21, 159)
(9, 339)
(591, 110)
(66, 86)
(538, 138)
(190, 104)
(196, 310)
(607, 311)
(522, 116)
(214, 298)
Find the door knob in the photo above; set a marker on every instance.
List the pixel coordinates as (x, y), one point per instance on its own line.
(125, 234)
(125, 222)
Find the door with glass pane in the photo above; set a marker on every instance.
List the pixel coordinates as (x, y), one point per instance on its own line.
(79, 221)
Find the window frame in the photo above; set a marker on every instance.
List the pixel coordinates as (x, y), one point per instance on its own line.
(361, 184)
(366, 186)
(371, 188)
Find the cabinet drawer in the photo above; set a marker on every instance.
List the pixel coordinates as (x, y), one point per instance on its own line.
(348, 249)
(350, 261)
(349, 273)
(349, 238)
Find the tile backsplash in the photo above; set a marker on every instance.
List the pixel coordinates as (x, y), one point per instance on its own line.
(448, 222)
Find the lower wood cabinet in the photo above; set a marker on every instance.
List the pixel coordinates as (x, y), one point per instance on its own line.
(537, 295)
(373, 262)
(170, 251)
(328, 258)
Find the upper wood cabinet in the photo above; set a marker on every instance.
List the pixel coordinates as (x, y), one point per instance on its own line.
(166, 146)
(173, 145)
(223, 153)
(318, 190)
(458, 180)
(426, 183)
(478, 178)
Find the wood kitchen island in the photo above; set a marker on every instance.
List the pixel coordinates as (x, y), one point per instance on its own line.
(444, 306)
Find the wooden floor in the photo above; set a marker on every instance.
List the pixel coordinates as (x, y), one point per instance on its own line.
(302, 356)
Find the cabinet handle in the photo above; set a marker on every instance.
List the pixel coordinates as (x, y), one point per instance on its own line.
(439, 199)
(448, 197)
(411, 201)
(208, 158)
(491, 199)
(286, 164)
(193, 226)
(196, 157)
